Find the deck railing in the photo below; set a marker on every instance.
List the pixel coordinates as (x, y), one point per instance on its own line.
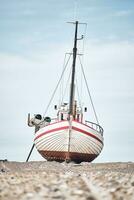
(95, 126)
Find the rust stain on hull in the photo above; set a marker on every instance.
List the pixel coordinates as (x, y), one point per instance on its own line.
(62, 156)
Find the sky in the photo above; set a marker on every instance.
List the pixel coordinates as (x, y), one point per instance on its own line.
(34, 38)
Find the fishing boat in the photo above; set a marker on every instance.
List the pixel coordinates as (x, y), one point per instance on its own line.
(68, 136)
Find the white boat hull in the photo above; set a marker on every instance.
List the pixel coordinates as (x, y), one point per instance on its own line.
(68, 141)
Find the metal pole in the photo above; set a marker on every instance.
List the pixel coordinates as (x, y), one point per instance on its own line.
(30, 153)
(73, 71)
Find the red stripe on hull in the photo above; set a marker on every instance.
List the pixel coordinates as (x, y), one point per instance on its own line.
(52, 130)
(66, 127)
(87, 133)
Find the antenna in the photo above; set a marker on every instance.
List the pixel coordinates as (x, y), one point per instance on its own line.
(75, 9)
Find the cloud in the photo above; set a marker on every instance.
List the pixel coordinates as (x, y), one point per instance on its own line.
(123, 13)
(28, 12)
(110, 70)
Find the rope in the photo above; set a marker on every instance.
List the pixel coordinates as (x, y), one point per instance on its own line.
(83, 50)
(78, 92)
(83, 47)
(62, 83)
(56, 86)
(88, 91)
(67, 84)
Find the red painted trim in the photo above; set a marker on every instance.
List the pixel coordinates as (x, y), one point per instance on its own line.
(74, 121)
(87, 133)
(52, 130)
(84, 125)
(66, 127)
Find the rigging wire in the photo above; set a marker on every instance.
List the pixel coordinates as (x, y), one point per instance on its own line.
(78, 93)
(83, 50)
(85, 31)
(56, 86)
(67, 84)
(88, 91)
(62, 83)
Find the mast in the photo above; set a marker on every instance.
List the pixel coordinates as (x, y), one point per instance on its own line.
(71, 102)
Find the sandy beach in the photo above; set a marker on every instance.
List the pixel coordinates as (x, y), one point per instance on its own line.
(53, 180)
